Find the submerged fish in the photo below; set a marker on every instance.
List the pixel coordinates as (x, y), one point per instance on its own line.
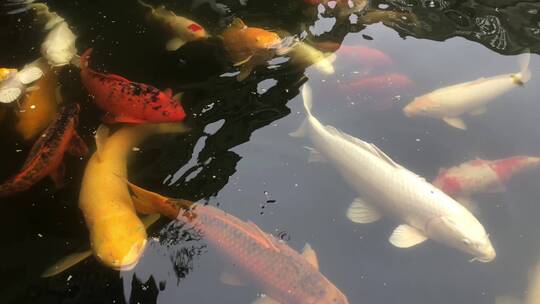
(379, 91)
(180, 28)
(304, 54)
(129, 102)
(59, 46)
(483, 176)
(75, 258)
(249, 47)
(117, 235)
(284, 275)
(45, 158)
(387, 188)
(38, 108)
(471, 97)
(16, 83)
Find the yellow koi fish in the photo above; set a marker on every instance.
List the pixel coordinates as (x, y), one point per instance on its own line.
(117, 235)
(181, 29)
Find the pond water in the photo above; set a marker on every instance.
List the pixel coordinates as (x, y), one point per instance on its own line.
(238, 155)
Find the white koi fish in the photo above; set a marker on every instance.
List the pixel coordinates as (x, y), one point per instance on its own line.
(59, 46)
(304, 54)
(389, 189)
(470, 97)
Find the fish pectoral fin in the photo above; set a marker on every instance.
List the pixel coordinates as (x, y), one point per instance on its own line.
(245, 71)
(405, 236)
(310, 255)
(102, 134)
(507, 300)
(58, 176)
(314, 155)
(243, 61)
(301, 131)
(362, 212)
(455, 122)
(174, 44)
(9, 95)
(178, 96)
(231, 279)
(478, 111)
(29, 74)
(144, 200)
(265, 300)
(150, 219)
(65, 263)
(468, 203)
(77, 147)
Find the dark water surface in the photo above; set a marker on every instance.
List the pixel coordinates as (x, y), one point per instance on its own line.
(238, 155)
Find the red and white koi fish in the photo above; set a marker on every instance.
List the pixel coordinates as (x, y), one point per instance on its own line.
(483, 176)
(284, 275)
(45, 158)
(129, 102)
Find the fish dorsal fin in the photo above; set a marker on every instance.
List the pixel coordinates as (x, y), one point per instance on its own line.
(66, 263)
(310, 255)
(238, 23)
(261, 236)
(364, 145)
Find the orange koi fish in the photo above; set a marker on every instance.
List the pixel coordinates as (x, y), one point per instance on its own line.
(249, 46)
(284, 275)
(45, 158)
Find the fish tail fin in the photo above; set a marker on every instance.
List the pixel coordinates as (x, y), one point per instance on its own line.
(307, 97)
(85, 57)
(154, 202)
(525, 73)
(145, 4)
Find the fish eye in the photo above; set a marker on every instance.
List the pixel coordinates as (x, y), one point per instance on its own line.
(466, 241)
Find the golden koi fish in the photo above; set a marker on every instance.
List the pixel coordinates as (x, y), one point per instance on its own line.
(117, 235)
(284, 275)
(249, 46)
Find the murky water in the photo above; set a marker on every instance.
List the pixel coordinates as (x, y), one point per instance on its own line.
(238, 155)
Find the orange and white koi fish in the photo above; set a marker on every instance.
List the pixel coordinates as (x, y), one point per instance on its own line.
(483, 176)
(284, 275)
(450, 103)
(45, 158)
(181, 29)
(249, 47)
(38, 108)
(117, 235)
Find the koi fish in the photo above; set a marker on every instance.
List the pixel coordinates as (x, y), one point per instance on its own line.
(117, 235)
(304, 54)
(16, 83)
(38, 109)
(283, 274)
(249, 47)
(129, 102)
(470, 97)
(180, 28)
(73, 259)
(45, 158)
(59, 46)
(378, 91)
(388, 188)
(366, 56)
(483, 176)
(6, 72)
